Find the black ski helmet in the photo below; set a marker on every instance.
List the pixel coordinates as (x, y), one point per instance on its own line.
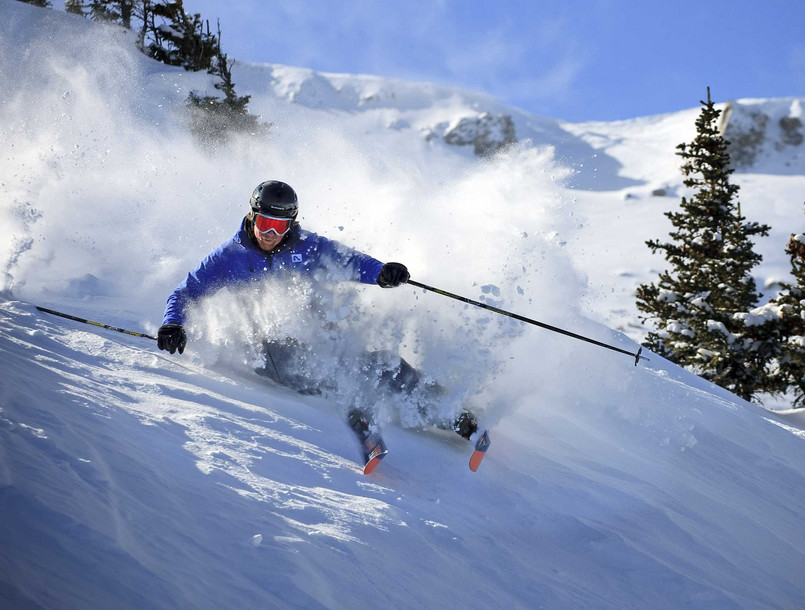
(274, 198)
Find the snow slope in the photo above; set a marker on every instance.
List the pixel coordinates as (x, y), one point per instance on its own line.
(130, 478)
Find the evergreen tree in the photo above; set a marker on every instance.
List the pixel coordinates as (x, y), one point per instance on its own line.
(114, 11)
(42, 3)
(695, 302)
(167, 33)
(212, 118)
(178, 38)
(75, 6)
(789, 375)
(780, 325)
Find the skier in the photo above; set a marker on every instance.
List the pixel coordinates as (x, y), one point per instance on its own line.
(270, 242)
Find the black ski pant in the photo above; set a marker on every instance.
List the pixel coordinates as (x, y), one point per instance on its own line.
(293, 364)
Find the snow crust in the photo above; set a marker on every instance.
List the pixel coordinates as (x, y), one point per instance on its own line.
(130, 478)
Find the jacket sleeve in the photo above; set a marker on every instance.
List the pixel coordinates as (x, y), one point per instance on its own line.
(207, 277)
(357, 265)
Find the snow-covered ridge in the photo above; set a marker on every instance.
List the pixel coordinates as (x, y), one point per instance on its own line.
(766, 134)
(470, 120)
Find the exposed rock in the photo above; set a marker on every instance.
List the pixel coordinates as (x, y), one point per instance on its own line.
(746, 132)
(757, 130)
(791, 126)
(463, 132)
(487, 133)
(436, 132)
(399, 124)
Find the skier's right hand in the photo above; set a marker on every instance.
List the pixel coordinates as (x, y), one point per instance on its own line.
(171, 337)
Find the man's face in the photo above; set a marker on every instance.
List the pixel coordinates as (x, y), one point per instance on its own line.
(267, 241)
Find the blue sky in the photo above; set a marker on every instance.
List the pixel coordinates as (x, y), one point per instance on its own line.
(570, 59)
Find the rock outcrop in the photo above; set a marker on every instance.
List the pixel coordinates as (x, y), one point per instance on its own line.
(757, 130)
(487, 133)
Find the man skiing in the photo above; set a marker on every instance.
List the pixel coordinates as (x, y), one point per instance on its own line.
(270, 242)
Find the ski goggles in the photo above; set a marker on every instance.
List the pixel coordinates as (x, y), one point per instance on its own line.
(270, 224)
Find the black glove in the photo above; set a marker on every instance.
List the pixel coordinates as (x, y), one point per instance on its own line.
(392, 274)
(171, 337)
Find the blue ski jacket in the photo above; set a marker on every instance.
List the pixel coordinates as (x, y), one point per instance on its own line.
(241, 260)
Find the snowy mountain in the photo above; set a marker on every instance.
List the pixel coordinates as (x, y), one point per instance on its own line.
(130, 478)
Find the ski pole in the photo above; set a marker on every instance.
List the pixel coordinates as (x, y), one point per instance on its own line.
(85, 321)
(637, 357)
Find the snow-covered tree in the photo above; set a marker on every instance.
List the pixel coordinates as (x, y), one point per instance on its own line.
(695, 302)
(212, 118)
(784, 319)
(114, 11)
(171, 35)
(75, 6)
(42, 3)
(178, 38)
(780, 324)
(166, 31)
(792, 304)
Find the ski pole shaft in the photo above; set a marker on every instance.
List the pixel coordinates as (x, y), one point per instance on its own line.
(637, 357)
(85, 321)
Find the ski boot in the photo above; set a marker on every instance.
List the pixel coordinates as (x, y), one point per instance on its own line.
(465, 424)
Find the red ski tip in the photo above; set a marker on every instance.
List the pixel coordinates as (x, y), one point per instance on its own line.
(480, 451)
(374, 456)
(372, 464)
(475, 460)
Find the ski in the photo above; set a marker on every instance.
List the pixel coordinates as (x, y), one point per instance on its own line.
(374, 450)
(481, 445)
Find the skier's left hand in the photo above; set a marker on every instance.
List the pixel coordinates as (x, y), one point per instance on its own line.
(392, 275)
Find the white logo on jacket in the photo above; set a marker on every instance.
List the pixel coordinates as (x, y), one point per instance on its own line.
(296, 258)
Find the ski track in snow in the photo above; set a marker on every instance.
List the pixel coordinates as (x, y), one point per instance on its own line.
(228, 438)
(585, 505)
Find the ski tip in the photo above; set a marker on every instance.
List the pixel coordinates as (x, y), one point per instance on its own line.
(475, 460)
(374, 456)
(372, 463)
(480, 451)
